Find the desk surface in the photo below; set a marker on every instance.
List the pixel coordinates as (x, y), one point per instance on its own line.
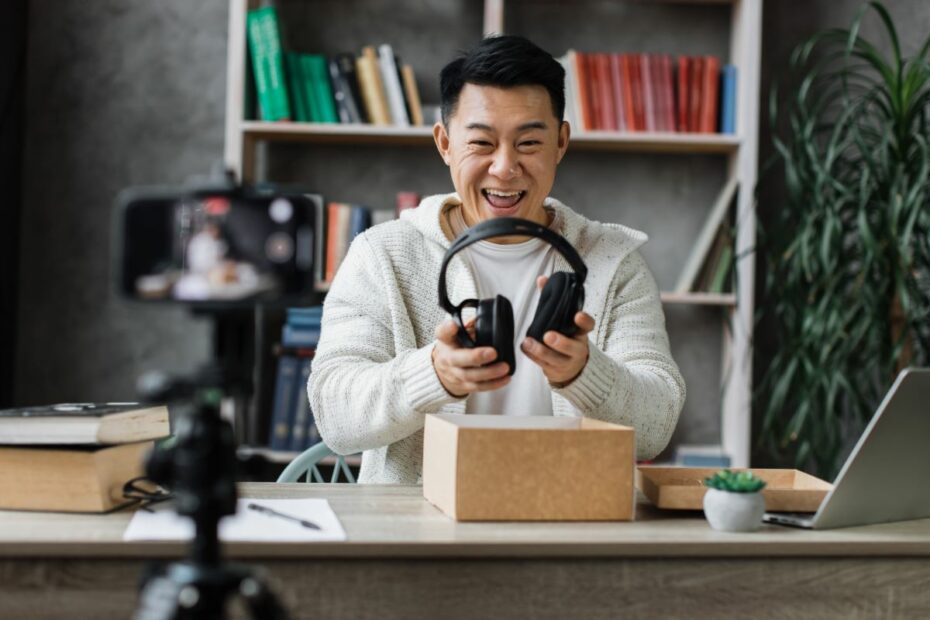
(393, 521)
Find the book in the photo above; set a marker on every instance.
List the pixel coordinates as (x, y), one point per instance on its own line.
(370, 83)
(268, 63)
(728, 99)
(720, 269)
(406, 200)
(710, 89)
(295, 82)
(700, 455)
(342, 74)
(705, 238)
(684, 64)
(69, 479)
(283, 408)
(83, 423)
(412, 95)
(300, 426)
(392, 86)
(318, 75)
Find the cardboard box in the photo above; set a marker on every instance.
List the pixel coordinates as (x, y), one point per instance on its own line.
(536, 468)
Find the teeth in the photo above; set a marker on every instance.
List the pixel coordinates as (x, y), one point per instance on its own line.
(496, 192)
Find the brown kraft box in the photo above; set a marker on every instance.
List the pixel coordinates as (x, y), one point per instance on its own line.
(528, 468)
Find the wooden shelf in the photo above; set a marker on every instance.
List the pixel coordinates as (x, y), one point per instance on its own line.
(700, 299)
(328, 133)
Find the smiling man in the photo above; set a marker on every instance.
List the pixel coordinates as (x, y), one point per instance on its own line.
(388, 355)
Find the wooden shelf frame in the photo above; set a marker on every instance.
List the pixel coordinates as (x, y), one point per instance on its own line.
(741, 150)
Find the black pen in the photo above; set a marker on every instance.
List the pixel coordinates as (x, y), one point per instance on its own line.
(274, 513)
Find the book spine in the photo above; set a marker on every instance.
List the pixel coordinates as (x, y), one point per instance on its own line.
(295, 87)
(392, 86)
(616, 83)
(683, 94)
(283, 407)
(648, 88)
(369, 80)
(347, 68)
(319, 78)
(728, 100)
(314, 106)
(584, 94)
(571, 70)
(629, 108)
(342, 93)
(605, 92)
(710, 89)
(277, 81)
(260, 68)
(300, 426)
(694, 93)
(413, 95)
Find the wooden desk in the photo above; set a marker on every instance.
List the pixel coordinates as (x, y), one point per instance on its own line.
(405, 559)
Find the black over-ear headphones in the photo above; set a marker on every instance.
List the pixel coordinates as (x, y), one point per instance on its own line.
(560, 299)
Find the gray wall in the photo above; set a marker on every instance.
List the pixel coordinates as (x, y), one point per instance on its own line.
(129, 92)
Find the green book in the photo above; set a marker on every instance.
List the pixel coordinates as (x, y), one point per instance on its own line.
(723, 269)
(295, 79)
(319, 78)
(314, 112)
(273, 57)
(259, 57)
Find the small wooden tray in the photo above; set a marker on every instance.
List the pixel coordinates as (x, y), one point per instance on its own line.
(682, 488)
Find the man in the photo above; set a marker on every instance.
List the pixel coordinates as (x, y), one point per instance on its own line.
(388, 355)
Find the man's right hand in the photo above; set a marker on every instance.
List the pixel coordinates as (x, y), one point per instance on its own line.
(463, 371)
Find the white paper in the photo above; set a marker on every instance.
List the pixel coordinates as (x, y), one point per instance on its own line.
(245, 525)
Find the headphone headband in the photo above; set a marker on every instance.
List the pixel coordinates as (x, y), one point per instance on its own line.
(504, 227)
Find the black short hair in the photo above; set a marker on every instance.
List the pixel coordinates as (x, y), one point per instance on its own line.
(503, 61)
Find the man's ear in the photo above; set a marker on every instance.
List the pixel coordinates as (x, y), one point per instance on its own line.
(441, 138)
(564, 135)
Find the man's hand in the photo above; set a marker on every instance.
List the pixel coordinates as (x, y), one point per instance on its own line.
(561, 357)
(462, 371)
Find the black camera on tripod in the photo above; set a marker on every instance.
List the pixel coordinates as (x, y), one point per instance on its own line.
(223, 250)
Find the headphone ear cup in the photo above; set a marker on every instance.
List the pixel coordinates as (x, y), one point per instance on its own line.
(494, 328)
(558, 304)
(503, 333)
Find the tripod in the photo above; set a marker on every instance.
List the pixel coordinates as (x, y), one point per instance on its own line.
(200, 470)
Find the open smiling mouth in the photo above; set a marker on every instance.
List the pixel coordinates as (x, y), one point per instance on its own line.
(499, 199)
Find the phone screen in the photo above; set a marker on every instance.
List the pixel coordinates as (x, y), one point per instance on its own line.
(214, 248)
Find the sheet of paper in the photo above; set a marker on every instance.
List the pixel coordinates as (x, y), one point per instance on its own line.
(247, 524)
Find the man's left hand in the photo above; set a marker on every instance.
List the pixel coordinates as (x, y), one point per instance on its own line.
(561, 357)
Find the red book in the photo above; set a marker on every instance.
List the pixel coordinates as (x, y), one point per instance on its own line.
(585, 113)
(684, 64)
(608, 119)
(407, 200)
(626, 71)
(594, 85)
(618, 92)
(710, 88)
(648, 90)
(636, 81)
(667, 88)
(696, 75)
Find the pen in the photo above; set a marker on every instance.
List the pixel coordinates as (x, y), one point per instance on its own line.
(274, 513)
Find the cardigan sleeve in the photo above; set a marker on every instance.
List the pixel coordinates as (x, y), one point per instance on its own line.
(632, 379)
(365, 392)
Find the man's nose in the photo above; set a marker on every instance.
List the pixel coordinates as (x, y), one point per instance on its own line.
(506, 164)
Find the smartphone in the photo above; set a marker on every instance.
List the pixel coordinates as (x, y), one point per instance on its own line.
(224, 247)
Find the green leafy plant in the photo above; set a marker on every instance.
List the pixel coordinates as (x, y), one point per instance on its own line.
(847, 251)
(735, 482)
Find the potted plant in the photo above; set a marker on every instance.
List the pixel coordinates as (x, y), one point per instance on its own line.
(846, 249)
(733, 501)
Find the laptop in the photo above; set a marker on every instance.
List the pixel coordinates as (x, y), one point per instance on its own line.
(887, 475)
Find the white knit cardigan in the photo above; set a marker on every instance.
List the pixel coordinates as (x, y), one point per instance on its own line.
(373, 382)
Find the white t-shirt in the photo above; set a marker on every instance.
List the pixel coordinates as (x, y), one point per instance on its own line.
(511, 270)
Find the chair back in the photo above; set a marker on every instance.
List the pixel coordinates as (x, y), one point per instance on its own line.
(306, 466)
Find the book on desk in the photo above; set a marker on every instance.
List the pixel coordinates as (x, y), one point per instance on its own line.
(75, 457)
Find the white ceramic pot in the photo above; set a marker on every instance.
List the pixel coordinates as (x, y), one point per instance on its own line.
(734, 512)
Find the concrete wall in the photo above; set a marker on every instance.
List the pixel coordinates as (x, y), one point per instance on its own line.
(132, 92)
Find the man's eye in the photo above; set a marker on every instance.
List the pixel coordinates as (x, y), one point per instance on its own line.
(480, 143)
(530, 143)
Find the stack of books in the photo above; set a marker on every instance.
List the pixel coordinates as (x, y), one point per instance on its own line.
(292, 424)
(75, 457)
(649, 92)
(371, 87)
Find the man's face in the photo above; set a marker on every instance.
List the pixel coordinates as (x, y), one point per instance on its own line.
(502, 146)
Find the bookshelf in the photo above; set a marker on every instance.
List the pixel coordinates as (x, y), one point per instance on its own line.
(244, 139)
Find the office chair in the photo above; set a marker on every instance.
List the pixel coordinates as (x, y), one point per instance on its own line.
(306, 465)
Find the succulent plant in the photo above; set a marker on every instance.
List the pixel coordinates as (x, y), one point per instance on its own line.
(735, 482)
